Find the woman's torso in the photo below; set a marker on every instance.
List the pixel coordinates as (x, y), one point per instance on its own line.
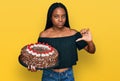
(51, 33)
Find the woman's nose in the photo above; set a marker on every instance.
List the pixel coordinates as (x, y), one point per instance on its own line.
(60, 19)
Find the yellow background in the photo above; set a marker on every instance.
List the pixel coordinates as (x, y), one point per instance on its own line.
(21, 21)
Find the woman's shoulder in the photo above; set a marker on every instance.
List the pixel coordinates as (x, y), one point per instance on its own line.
(73, 31)
(44, 33)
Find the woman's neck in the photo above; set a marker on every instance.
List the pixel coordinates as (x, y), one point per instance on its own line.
(58, 29)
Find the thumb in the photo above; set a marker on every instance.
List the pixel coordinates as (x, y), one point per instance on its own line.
(79, 39)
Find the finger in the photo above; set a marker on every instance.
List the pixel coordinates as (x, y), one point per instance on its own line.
(86, 31)
(28, 68)
(34, 68)
(82, 31)
(31, 69)
(79, 39)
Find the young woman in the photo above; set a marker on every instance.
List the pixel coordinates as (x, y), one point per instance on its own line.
(66, 40)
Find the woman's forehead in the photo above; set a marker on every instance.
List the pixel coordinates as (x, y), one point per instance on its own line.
(59, 10)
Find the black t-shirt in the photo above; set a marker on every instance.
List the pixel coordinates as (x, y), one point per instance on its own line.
(66, 47)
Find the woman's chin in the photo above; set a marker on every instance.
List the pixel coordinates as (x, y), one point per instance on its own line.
(60, 26)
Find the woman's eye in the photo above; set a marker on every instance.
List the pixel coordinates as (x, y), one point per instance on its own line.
(56, 16)
(64, 16)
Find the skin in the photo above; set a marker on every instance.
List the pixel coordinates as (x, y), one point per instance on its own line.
(59, 30)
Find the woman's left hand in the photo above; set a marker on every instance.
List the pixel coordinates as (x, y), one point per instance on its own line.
(86, 35)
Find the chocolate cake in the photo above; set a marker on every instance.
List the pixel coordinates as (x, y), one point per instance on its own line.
(39, 55)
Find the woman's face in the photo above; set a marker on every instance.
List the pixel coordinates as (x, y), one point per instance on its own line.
(58, 17)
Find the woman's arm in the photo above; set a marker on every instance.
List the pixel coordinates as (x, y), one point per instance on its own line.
(86, 36)
(90, 47)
